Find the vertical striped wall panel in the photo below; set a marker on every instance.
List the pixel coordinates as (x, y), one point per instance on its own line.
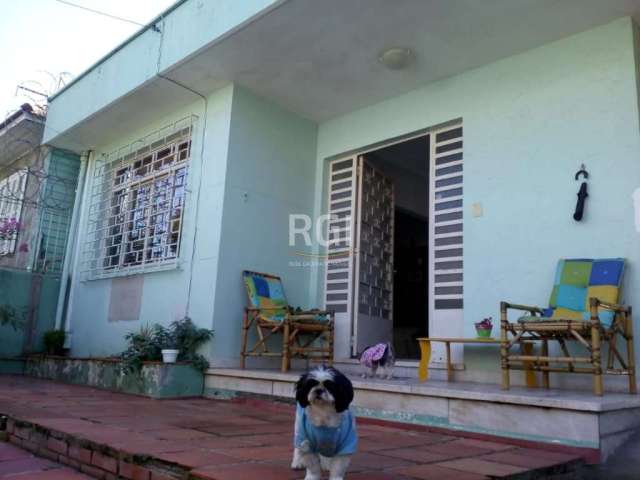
(339, 271)
(447, 191)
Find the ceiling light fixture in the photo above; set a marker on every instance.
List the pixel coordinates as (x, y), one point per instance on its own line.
(396, 58)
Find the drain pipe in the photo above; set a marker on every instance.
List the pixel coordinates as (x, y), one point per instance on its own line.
(197, 200)
(205, 114)
(73, 247)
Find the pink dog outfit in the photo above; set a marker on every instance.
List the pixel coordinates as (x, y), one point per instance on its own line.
(373, 354)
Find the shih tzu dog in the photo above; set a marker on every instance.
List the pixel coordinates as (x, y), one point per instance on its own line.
(378, 359)
(325, 430)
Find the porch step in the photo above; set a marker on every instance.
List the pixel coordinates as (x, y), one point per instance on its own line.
(98, 460)
(570, 420)
(105, 461)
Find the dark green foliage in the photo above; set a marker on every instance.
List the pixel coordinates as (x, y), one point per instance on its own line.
(54, 342)
(188, 338)
(147, 344)
(9, 316)
(143, 346)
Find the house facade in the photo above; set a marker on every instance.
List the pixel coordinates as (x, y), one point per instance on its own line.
(37, 193)
(215, 141)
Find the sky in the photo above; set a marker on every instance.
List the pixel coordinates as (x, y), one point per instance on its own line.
(42, 39)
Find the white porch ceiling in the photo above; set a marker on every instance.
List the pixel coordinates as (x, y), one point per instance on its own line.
(319, 58)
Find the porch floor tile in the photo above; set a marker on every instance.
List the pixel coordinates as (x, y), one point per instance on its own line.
(224, 439)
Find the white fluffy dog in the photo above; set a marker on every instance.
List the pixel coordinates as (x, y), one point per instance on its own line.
(325, 430)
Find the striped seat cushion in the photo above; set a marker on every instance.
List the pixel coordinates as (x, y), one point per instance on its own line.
(578, 280)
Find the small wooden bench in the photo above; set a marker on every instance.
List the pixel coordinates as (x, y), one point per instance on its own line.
(425, 355)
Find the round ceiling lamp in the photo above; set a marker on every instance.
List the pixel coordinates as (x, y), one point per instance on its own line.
(396, 58)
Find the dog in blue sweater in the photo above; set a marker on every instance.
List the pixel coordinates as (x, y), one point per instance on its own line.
(325, 434)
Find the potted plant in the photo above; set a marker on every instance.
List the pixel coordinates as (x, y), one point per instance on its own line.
(143, 346)
(178, 342)
(484, 328)
(169, 345)
(188, 338)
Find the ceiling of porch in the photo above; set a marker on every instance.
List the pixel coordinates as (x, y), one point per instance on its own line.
(319, 58)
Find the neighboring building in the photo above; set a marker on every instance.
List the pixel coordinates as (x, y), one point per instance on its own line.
(37, 192)
(205, 134)
(20, 136)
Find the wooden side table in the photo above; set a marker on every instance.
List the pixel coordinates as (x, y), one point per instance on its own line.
(425, 355)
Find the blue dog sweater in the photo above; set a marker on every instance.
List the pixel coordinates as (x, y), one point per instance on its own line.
(327, 441)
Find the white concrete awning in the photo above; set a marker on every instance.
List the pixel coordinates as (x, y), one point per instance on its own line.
(316, 58)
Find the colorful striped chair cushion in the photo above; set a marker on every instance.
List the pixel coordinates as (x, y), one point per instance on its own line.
(577, 280)
(266, 292)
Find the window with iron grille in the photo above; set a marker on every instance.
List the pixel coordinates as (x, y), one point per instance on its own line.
(12, 189)
(137, 205)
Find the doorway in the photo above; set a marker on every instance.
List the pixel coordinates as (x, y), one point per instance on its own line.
(394, 258)
(411, 284)
(405, 166)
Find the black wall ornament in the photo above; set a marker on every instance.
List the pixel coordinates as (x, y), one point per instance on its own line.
(582, 194)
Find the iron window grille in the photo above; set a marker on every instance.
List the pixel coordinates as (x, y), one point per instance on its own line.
(12, 189)
(137, 205)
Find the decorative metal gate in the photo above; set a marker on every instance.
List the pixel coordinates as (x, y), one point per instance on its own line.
(340, 258)
(374, 258)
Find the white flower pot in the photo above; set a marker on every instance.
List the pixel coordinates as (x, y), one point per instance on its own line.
(169, 355)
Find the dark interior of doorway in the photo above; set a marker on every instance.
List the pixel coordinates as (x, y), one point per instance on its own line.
(407, 164)
(410, 283)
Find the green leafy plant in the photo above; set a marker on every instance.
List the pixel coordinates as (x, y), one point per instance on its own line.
(54, 342)
(143, 346)
(147, 344)
(10, 316)
(187, 339)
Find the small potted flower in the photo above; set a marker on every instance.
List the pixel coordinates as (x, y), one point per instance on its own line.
(484, 328)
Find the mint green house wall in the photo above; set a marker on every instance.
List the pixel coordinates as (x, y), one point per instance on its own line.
(529, 122)
(270, 174)
(165, 294)
(257, 166)
(34, 298)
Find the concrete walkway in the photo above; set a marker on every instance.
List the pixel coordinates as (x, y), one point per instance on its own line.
(112, 435)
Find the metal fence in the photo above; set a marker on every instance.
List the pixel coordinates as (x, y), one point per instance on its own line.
(42, 206)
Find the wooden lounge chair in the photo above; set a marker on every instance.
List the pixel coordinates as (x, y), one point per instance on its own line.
(306, 334)
(583, 309)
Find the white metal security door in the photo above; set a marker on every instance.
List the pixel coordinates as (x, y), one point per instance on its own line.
(340, 259)
(373, 299)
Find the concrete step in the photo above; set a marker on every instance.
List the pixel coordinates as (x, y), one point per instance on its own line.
(106, 461)
(574, 420)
